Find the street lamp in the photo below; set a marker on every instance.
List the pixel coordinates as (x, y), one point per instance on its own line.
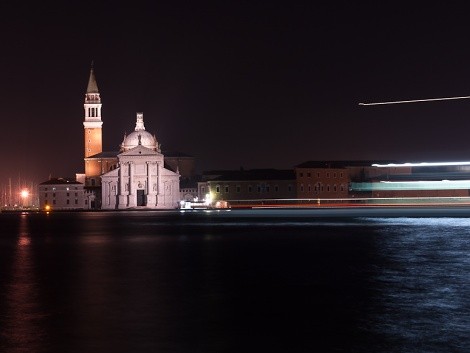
(24, 196)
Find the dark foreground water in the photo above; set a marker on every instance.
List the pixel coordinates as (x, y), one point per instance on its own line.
(233, 282)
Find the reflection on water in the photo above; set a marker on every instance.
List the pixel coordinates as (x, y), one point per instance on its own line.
(170, 282)
(23, 318)
(423, 284)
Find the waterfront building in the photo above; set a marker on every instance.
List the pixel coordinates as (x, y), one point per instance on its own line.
(333, 179)
(322, 180)
(247, 187)
(63, 194)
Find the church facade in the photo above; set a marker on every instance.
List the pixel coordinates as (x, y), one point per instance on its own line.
(136, 177)
(140, 179)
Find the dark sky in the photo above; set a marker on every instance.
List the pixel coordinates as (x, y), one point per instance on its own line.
(242, 83)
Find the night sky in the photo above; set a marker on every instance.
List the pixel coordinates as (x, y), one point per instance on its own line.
(242, 83)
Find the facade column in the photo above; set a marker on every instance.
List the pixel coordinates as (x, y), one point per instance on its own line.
(106, 194)
(159, 187)
(121, 188)
(132, 193)
(151, 197)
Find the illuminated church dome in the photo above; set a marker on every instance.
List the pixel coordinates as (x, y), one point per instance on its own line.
(140, 137)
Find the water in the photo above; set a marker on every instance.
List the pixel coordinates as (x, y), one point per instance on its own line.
(233, 282)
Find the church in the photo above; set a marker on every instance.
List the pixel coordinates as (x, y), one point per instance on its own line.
(138, 176)
(134, 177)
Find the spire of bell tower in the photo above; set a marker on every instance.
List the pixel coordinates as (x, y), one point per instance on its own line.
(92, 85)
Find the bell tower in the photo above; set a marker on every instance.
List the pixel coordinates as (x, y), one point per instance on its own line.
(92, 123)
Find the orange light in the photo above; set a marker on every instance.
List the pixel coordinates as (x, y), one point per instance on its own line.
(24, 193)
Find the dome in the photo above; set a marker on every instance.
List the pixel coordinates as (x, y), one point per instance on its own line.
(140, 137)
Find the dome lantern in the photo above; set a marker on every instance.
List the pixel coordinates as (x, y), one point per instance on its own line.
(140, 137)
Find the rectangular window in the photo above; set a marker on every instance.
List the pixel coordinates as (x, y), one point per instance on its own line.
(308, 175)
(267, 188)
(203, 189)
(76, 194)
(76, 202)
(68, 194)
(217, 188)
(258, 188)
(327, 175)
(302, 188)
(276, 188)
(68, 202)
(249, 188)
(318, 175)
(238, 188)
(301, 175)
(53, 202)
(289, 187)
(226, 189)
(53, 194)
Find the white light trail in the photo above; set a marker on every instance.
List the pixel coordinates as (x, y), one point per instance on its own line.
(421, 164)
(416, 101)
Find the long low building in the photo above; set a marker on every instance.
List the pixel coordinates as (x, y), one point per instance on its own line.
(245, 187)
(63, 194)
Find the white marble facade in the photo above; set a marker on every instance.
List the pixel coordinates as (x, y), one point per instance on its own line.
(141, 179)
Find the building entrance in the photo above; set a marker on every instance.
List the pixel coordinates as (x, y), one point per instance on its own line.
(140, 198)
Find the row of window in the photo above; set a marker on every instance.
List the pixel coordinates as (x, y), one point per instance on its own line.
(309, 175)
(250, 188)
(54, 202)
(53, 194)
(321, 188)
(54, 188)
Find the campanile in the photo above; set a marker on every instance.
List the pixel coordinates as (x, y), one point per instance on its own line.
(92, 123)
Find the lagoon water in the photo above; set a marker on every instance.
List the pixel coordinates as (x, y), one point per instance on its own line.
(239, 281)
